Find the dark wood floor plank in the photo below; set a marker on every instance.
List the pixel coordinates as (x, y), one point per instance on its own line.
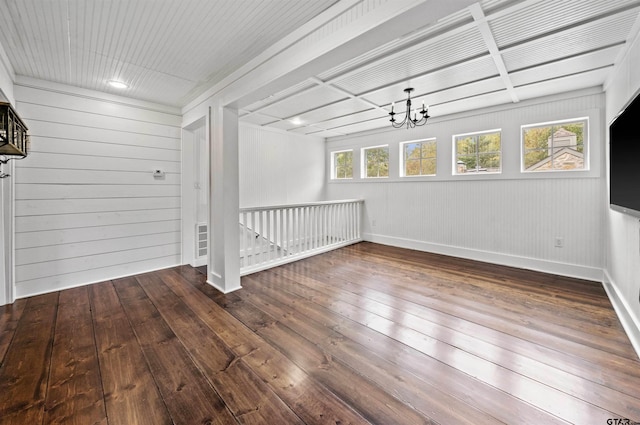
(581, 321)
(370, 400)
(430, 309)
(577, 320)
(131, 394)
(10, 315)
(417, 382)
(363, 334)
(434, 327)
(246, 395)
(498, 376)
(454, 300)
(362, 387)
(188, 395)
(312, 402)
(573, 357)
(75, 387)
(25, 372)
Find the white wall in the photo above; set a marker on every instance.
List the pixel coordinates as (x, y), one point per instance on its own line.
(511, 218)
(87, 206)
(278, 167)
(623, 231)
(195, 189)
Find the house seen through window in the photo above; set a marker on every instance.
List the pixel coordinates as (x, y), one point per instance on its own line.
(418, 158)
(478, 153)
(554, 146)
(375, 162)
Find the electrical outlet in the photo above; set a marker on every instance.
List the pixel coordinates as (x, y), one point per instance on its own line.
(559, 242)
(373, 223)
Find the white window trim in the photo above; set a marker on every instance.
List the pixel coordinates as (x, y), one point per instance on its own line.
(585, 146)
(363, 162)
(333, 165)
(402, 173)
(454, 152)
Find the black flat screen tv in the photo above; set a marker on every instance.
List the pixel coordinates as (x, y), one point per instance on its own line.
(624, 160)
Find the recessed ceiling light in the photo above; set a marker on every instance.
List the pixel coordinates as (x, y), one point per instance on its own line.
(118, 84)
(296, 121)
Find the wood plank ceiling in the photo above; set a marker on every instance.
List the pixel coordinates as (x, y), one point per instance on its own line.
(493, 52)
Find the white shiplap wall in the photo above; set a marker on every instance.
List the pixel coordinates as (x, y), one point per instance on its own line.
(510, 218)
(277, 167)
(87, 205)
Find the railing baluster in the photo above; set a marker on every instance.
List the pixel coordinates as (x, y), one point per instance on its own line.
(243, 239)
(280, 238)
(268, 256)
(294, 230)
(358, 218)
(314, 228)
(325, 225)
(352, 217)
(307, 228)
(290, 232)
(330, 215)
(340, 213)
(253, 238)
(348, 206)
(299, 248)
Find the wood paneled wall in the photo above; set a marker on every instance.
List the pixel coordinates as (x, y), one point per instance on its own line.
(512, 218)
(88, 207)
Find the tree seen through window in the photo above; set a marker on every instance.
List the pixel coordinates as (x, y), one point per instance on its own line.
(343, 165)
(420, 158)
(478, 153)
(377, 162)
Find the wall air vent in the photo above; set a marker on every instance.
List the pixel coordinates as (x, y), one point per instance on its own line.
(201, 240)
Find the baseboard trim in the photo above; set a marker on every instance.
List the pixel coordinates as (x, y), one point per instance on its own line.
(629, 321)
(562, 269)
(23, 293)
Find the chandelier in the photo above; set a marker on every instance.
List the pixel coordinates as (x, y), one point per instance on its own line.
(410, 122)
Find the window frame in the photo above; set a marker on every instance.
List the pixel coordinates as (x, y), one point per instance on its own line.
(585, 145)
(334, 174)
(454, 155)
(363, 162)
(403, 160)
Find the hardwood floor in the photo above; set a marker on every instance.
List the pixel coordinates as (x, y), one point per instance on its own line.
(364, 334)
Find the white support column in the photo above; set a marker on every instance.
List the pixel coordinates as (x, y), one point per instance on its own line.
(224, 243)
(7, 292)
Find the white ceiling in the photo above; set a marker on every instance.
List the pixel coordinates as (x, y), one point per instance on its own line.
(172, 51)
(167, 51)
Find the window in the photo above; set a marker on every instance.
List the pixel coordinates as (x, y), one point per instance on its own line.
(342, 164)
(375, 161)
(418, 158)
(554, 146)
(477, 153)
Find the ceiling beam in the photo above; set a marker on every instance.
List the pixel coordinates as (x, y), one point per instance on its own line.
(490, 42)
(387, 22)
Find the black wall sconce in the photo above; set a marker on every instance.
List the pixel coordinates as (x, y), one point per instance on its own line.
(14, 140)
